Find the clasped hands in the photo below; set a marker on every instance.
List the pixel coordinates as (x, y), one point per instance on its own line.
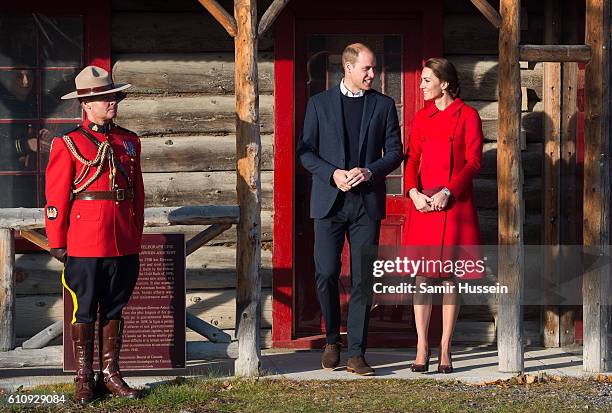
(345, 180)
(424, 203)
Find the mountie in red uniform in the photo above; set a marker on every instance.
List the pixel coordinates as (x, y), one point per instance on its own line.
(95, 193)
(94, 219)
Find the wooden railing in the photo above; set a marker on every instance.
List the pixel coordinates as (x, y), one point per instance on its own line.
(219, 219)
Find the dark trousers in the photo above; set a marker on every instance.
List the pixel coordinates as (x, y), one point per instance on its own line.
(105, 282)
(348, 217)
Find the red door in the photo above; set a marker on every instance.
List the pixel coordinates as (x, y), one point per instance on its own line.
(316, 63)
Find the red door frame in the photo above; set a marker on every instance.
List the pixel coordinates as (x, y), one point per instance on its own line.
(430, 16)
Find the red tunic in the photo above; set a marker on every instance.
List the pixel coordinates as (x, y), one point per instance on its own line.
(445, 151)
(94, 228)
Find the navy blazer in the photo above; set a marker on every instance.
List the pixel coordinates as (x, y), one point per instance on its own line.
(321, 148)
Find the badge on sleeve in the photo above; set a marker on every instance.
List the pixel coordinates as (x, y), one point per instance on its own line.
(129, 148)
(51, 213)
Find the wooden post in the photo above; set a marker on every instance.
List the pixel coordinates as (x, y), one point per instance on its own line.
(569, 200)
(510, 192)
(551, 171)
(569, 179)
(7, 289)
(222, 16)
(596, 232)
(248, 155)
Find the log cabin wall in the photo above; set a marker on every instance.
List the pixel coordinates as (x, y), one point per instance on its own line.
(181, 64)
(471, 43)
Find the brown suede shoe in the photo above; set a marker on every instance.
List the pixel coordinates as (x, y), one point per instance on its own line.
(110, 381)
(358, 365)
(331, 356)
(82, 344)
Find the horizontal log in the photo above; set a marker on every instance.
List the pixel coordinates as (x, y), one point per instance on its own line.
(188, 115)
(50, 356)
(482, 332)
(490, 110)
(229, 236)
(555, 53)
(211, 73)
(198, 153)
(485, 193)
(217, 307)
(27, 218)
(180, 32)
(488, 221)
(478, 76)
(207, 268)
(193, 188)
(531, 123)
(469, 34)
(531, 159)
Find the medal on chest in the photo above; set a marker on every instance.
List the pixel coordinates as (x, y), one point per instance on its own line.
(129, 148)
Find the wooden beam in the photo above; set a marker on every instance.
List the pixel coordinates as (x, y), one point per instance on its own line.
(551, 172)
(596, 231)
(35, 238)
(205, 329)
(43, 338)
(7, 289)
(555, 53)
(268, 18)
(28, 218)
(510, 192)
(222, 16)
(248, 187)
(203, 237)
(488, 11)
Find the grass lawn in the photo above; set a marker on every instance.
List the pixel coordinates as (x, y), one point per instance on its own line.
(368, 395)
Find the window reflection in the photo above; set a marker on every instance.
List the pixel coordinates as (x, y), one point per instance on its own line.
(18, 94)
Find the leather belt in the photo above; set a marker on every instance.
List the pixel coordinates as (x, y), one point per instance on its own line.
(115, 195)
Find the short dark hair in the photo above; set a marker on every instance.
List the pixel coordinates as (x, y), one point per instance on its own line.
(351, 52)
(446, 72)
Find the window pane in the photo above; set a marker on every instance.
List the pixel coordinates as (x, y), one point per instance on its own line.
(393, 77)
(46, 134)
(18, 94)
(17, 41)
(394, 185)
(18, 191)
(61, 40)
(56, 83)
(18, 146)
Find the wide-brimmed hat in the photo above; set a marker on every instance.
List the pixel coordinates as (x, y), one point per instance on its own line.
(93, 81)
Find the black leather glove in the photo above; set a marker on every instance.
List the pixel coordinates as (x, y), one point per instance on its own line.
(59, 253)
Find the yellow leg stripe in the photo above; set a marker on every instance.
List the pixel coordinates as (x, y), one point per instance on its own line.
(75, 303)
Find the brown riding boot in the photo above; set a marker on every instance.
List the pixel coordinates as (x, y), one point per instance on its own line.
(110, 334)
(82, 344)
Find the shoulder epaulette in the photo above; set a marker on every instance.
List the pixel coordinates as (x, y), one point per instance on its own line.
(67, 131)
(126, 130)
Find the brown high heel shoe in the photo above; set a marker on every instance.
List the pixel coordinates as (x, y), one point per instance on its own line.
(421, 368)
(446, 368)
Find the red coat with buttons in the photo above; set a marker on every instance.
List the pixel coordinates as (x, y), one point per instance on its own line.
(94, 228)
(445, 151)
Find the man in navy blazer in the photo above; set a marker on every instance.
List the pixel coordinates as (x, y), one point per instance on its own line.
(351, 141)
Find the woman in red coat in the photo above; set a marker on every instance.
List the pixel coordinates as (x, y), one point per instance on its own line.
(444, 157)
